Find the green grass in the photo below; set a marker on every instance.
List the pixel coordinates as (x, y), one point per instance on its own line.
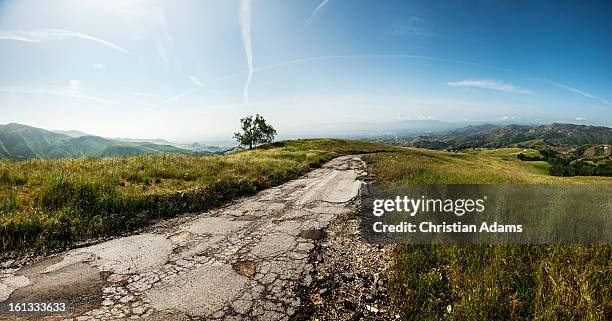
(424, 166)
(47, 205)
(491, 282)
(508, 152)
(51, 204)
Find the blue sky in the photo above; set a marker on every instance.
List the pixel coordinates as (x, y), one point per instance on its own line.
(188, 70)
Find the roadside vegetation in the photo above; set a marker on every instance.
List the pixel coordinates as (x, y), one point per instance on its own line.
(492, 282)
(51, 204)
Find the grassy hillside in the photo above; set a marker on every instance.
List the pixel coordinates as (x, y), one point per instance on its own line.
(492, 282)
(21, 142)
(492, 136)
(485, 166)
(47, 204)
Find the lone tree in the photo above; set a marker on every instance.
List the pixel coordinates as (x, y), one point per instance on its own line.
(255, 131)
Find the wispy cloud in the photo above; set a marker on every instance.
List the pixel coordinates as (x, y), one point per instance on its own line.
(47, 35)
(372, 56)
(247, 42)
(581, 92)
(161, 50)
(490, 84)
(148, 17)
(413, 26)
(72, 90)
(197, 85)
(170, 100)
(74, 85)
(319, 7)
(196, 81)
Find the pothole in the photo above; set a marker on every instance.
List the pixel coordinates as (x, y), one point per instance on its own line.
(245, 268)
(313, 234)
(181, 236)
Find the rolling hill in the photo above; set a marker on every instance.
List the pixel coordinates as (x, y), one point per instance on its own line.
(21, 142)
(492, 136)
(570, 150)
(71, 133)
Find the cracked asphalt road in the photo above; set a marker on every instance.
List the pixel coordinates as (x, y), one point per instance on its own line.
(244, 261)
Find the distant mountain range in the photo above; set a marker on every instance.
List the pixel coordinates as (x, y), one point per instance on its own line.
(21, 142)
(72, 133)
(367, 130)
(494, 136)
(195, 147)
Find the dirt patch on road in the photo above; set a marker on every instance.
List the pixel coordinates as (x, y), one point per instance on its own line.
(313, 234)
(78, 285)
(348, 281)
(245, 268)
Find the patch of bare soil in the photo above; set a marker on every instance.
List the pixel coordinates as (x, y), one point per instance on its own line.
(348, 278)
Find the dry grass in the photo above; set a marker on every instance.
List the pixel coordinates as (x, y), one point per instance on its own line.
(52, 204)
(492, 282)
(424, 166)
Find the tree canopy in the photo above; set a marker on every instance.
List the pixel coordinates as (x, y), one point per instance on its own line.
(255, 131)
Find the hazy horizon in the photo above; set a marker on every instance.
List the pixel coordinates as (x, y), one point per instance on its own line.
(355, 130)
(188, 71)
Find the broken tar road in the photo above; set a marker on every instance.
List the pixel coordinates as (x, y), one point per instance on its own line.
(241, 262)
